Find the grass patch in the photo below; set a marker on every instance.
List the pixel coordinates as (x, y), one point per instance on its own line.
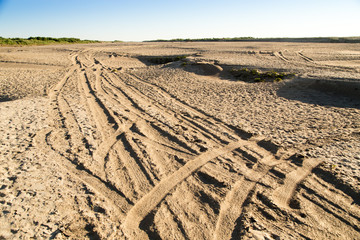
(166, 59)
(40, 41)
(254, 75)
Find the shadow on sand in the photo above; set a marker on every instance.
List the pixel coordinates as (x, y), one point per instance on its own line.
(342, 93)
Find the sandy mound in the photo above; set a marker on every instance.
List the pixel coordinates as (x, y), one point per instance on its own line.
(203, 68)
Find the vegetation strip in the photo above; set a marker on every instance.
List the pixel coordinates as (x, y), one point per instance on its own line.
(40, 41)
(252, 39)
(254, 75)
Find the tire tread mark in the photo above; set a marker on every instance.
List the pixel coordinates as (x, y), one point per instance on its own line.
(326, 209)
(200, 114)
(135, 168)
(284, 193)
(231, 208)
(114, 196)
(148, 202)
(99, 111)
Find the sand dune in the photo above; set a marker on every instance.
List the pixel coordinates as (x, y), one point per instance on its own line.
(99, 143)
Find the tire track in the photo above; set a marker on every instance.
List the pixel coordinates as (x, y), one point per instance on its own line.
(112, 135)
(283, 194)
(231, 208)
(77, 169)
(76, 142)
(153, 162)
(147, 203)
(307, 59)
(198, 115)
(104, 120)
(132, 163)
(119, 204)
(281, 56)
(119, 175)
(119, 92)
(248, 147)
(325, 66)
(140, 129)
(171, 115)
(171, 223)
(341, 207)
(145, 127)
(133, 107)
(133, 168)
(148, 133)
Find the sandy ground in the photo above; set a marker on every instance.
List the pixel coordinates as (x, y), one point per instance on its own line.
(98, 143)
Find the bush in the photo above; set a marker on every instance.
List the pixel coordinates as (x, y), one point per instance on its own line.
(259, 80)
(255, 75)
(166, 59)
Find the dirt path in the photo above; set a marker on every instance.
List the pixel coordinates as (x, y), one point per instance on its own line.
(155, 172)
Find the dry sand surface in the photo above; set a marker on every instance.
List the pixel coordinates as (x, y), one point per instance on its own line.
(98, 143)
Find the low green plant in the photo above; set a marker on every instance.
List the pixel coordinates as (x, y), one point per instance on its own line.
(259, 80)
(184, 64)
(255, 75)
(166, 59)
(254, 72)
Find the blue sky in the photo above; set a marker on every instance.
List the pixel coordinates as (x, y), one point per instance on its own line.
(137, 20)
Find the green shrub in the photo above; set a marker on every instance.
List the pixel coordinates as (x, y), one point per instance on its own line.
(254, 72)
(259, 80)
(166, 59)
(255, 75)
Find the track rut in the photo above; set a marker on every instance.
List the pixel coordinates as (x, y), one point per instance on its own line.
(148, 160)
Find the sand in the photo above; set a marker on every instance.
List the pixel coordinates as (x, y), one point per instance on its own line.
(98, 143)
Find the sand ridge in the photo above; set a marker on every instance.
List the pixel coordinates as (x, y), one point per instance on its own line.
(120, 148)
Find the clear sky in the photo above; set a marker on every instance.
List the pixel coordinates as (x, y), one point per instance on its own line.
(137, 20)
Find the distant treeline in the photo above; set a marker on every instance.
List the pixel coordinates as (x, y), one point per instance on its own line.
(40, 41)
(204, 39)
(252, 39)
